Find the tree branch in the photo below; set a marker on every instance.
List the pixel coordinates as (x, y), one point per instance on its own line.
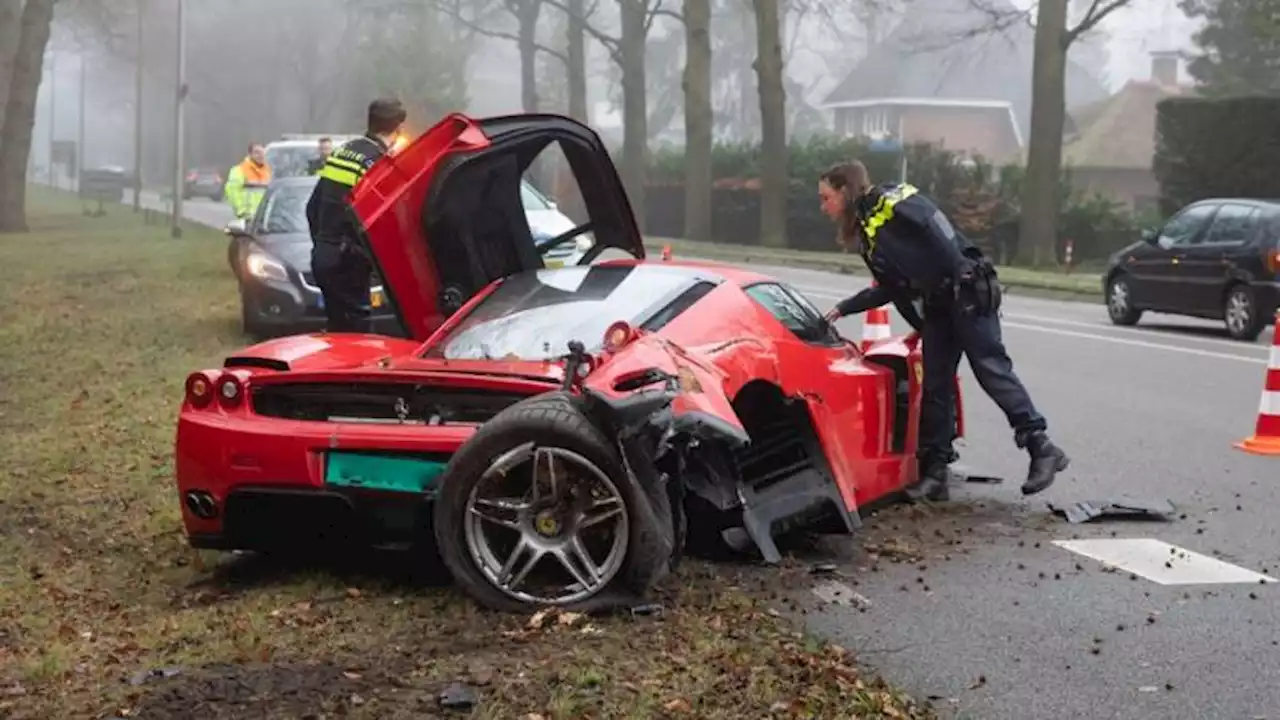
(610, 43)
(1098, 11)
(999, 20)
(456, 15)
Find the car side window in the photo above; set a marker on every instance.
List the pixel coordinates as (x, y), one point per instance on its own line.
(1184, 228)
(797, 315)
(1233, 225)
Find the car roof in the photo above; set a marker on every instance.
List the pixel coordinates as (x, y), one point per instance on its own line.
(1258, 202)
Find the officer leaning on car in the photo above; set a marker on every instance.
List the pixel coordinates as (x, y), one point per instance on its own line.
(914, 253)
(339, 262)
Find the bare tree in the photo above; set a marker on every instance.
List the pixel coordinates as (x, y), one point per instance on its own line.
(627, 49)
(20, 112)
(699, 120)
(10, 14)
(773, 124)
(1041, 197)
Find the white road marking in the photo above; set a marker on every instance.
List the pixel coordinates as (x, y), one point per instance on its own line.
(1161, 562)
(1103, 338)
(1137, 343)
(838, 593)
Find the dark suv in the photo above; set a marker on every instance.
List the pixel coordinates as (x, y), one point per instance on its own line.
(1216, 258)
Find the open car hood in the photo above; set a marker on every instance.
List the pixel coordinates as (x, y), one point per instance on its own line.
(443, 217)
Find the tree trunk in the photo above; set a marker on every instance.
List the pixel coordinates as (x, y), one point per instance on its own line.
(527, 12)
(576, 47)
(1038, 226)
(698, 119)
(20, 113)
(10, 13)
(773, 125)
(635, 110)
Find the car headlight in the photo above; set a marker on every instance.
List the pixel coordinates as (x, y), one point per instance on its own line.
(584, 243)
(264, 267)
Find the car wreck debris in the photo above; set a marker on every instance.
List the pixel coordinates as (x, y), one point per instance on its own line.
(1123, 509)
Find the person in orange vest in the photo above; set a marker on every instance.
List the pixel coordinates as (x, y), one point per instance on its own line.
(247, 182)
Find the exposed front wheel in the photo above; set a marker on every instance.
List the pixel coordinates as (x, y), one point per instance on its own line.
(1120, 301)
(537, 510)
(1240, 313)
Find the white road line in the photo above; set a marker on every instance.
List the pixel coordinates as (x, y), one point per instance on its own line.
(1094, 336)
(1134, 331)
(1137, 343)
(1161, 562)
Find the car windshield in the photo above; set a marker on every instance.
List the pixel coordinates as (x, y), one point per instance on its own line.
(532, 199)
(533, 315)
(285, 209)
(291, 160)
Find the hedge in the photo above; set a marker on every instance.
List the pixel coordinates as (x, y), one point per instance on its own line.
(1228, 147)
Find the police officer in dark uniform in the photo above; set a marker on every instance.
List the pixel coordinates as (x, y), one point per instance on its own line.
(338, 260)
(915, 254)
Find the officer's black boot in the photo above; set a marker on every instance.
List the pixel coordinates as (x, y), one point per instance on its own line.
(933, 482)
(1047, 460)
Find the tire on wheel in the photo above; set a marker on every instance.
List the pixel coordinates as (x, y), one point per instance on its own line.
(1120, 301)
(494, 514)
(1240, 314)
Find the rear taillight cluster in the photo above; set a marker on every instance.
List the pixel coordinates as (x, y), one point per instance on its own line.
(1273, 261)
(227, 389)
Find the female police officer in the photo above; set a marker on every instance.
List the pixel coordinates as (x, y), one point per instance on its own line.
(913, 252)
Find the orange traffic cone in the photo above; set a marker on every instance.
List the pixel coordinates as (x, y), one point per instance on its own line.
(1266, 437)
(666, 252)
(875, 325)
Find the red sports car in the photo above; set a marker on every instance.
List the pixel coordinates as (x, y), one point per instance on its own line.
(560, 435)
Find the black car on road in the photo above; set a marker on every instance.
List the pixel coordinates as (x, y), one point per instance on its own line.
(271, 259)
(203, 182)
(1217, 258)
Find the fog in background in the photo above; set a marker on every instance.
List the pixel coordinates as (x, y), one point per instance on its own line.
(259, 68)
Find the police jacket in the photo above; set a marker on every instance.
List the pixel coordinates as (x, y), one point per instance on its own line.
(910, 248)
(327, 211)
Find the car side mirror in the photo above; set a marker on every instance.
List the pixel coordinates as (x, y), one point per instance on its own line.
(1150, 236)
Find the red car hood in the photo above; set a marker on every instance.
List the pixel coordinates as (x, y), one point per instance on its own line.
(443, 217)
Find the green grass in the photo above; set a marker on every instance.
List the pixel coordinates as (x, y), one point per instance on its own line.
(1082, 281)
(101, 320)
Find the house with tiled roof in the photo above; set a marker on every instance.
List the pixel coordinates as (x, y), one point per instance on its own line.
(940, 77)
(1109, 146)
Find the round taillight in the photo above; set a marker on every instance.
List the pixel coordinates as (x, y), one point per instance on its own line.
(229, 390)
(199, 390)
(617, 336)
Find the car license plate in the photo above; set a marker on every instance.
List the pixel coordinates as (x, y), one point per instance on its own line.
(376, 299)
(371, 471)
(553, 263)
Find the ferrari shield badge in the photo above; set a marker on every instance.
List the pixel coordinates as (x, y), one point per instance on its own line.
(919, 373)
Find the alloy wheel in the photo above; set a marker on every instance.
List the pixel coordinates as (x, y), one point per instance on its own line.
(546, 526)
(1239, 312)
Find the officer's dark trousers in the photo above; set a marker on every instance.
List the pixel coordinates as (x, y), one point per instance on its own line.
(343, 276)
(947, 333)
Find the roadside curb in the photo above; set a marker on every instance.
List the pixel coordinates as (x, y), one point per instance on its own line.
(849, 266)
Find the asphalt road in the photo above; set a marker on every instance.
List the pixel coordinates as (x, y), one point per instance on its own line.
(973, 605)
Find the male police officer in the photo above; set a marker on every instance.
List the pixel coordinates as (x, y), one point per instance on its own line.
(914, 252)
(338, 261)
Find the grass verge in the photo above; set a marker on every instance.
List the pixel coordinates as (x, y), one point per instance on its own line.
(105, 612)
(1082, 283)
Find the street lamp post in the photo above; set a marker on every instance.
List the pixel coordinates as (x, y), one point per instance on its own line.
(137, 120)
(179, 161)
(80, 153)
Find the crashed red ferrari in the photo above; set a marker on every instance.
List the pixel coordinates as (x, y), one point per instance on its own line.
(560, 436)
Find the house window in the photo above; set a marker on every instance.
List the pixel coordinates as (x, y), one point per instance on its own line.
(875, 122)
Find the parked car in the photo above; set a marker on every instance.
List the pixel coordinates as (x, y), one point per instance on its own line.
(271, 259)
(290, 155)
(1216, 259)
(558, 435)
(204, 182)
